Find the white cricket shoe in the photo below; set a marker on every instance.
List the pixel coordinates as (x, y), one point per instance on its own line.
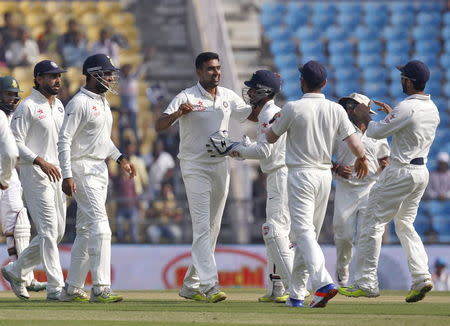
(17, 286)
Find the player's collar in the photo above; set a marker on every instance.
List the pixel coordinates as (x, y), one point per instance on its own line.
(40, 97)
(419, 97)
(206, 93)
(313, 95)
(91, 94)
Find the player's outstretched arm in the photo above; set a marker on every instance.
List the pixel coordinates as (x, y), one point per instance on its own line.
(166, 120)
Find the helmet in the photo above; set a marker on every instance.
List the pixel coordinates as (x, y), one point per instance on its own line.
(9, 84)
(265, 83)
(97, 66)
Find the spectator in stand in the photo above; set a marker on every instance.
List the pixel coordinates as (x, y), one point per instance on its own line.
(48, 39)
(440, 276)
(141, 179)
(106, 46)
(162, 165)
(128, 91)
(439, 185)
(69, 36)
(127, 207)
(75, 51)
(24, 51)
(2, 52)
(9, 29)
(168, 215)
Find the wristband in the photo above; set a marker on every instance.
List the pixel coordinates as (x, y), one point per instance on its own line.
(121, 157)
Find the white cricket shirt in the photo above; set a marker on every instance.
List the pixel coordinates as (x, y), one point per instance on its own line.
(270, 156)
(210, 115)
(86, 131)
(374, 150)
(35, 125)
(313, 124)
(412, 125)
(8, 150)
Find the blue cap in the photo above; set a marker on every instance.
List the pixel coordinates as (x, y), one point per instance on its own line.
(264, 78)
(415, 70)
(98, 62)
(47, 67)
(440, 262)
(313, 72)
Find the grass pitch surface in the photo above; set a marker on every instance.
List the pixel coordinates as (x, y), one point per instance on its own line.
(165, 308)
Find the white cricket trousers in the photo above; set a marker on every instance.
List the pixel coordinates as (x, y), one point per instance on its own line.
(350, 203)
(207, 190)
(92, 246)
(309, 189)
(47, 206)
(396, 195)
(14, 219)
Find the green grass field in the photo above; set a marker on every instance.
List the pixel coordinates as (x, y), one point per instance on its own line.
(164, 308)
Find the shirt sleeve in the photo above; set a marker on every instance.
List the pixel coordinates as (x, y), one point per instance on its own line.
(114, 152)
(239, 109)
(74, 115)
(284, 121)
(8, 151)
(346, 127)
(176, 102)
(20, 125)
(394, 121)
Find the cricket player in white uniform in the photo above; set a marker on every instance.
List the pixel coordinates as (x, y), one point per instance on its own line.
(13, 215)
(351, 194)
(397, 193)
(35, 125)
(202, 110)
(84, 145)
(312, 125)
(260, 92)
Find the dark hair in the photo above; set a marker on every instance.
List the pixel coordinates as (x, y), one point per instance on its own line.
(418, 86)
(314, 86)
(205, 57)
(348, 103)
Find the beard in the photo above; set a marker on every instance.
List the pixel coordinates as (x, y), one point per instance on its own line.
(50, 90)
(404, 88)
(100, 88)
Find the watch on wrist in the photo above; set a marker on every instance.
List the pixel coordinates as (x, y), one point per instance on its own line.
(121, 157)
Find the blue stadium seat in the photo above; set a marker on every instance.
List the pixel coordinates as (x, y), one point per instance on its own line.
(434, 207)
(314, 56)
(378, 7)
(447, 73)
(446, 46)
(374, 74)
(395, 47)
(404, 19)
(324, 7)
(391, 60)
(348, 21)
(428, 46)
(433, 88)
(401, 6)
(431, 60)
(337, 33)
(307, 47)
(370, 47)
(282, 47)
(446, 89)
(344, 74)
(446, 18)
(441, 224)
(271, 14)
(445, 33)
(425, 32)
(350, 8)
(376, 19)
(296, 18)
(433, 6)
(286, 61)
(322, 20)
(394, 74)
(279, 33)
(345, 88)
(364, 33)
(436, 74)
(375, 89)
(341, 60)
(369, 60)
(307, 33)
(445, 60)
(395, 33)
(430, 17)
(339, 47)
(395, 90)
(441, 103)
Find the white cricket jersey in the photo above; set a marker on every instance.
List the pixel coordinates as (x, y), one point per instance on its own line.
(412, 125)
(270, 156)
(374, 150)
(312, 123)
(86, 131)
(210, 115)
(8, 151)
(35, 125)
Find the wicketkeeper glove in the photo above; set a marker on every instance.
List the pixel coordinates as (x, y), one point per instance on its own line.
(220, 144)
